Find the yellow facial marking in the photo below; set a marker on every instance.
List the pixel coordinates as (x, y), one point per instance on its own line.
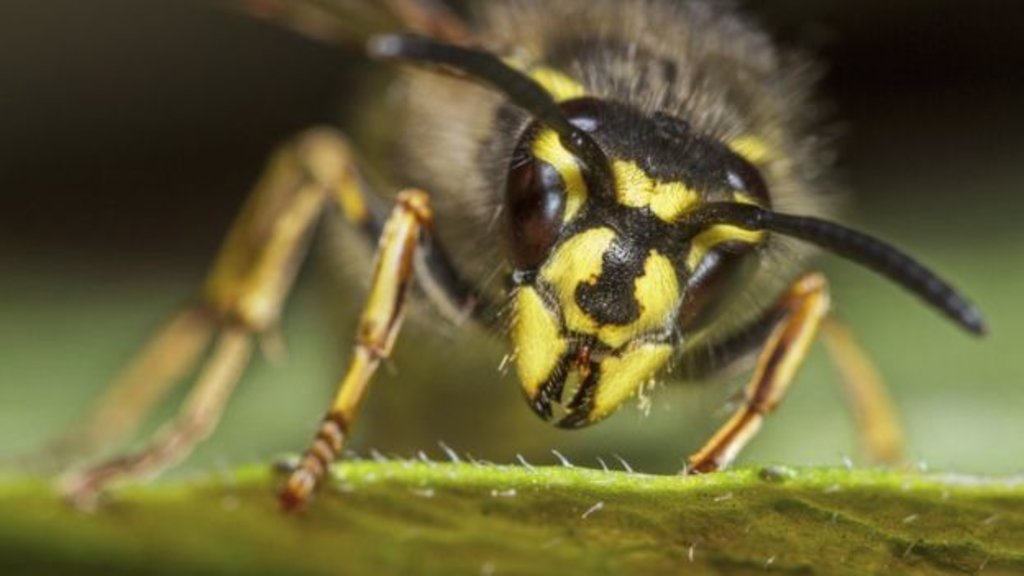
(538, 341)
(560, 86)
(708, 239)
(577, 261)
(632, 186)
(548, 148)
(621, 377)
(667, 200)
(744, 198)
(657, 292)
(715, 235)
(752, 148)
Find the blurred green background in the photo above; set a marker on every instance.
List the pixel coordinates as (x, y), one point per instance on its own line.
(132, 129)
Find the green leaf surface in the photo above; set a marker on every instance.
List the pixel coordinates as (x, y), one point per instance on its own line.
(429, 518)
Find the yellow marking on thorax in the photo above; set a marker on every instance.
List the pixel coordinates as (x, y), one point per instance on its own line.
(537, 336)
(559, 85)
(753, 149)
(622, 376)
(667, 200)
(580, 260)
(548, 148)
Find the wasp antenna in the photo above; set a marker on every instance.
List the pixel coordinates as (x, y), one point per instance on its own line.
(858, 247)
(522, 90)
(479, 65)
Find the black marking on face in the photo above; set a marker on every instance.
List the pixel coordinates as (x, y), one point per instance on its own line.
(582, 403)
(611, 300)
(535, 202)
(581, 360)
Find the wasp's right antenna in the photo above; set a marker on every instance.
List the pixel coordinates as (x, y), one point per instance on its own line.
(868, 251)
(522, 90)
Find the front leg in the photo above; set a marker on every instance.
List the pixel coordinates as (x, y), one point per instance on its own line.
(378, 327)
(242, 301)
(801, 311)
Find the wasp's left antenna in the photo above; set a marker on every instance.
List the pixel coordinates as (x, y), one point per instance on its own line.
(522, 90)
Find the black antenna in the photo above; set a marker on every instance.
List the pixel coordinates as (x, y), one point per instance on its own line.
(522, 90)
(856, 246)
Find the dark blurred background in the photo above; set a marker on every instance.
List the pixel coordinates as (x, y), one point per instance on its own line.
(130, 131)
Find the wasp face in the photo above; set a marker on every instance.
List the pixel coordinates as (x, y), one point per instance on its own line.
(611, 275)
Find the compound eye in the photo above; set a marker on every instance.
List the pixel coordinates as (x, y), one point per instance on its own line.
(535, 203)
(536, 191)
(744, 177)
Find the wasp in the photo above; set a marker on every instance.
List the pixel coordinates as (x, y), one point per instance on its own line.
(646, 178)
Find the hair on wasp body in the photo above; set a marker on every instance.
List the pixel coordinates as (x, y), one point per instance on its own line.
(647, 159)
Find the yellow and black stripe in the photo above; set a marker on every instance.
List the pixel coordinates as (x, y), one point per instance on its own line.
(604, 306)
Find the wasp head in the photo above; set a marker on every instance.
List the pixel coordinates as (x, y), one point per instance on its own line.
(609, 272)
(625, 231)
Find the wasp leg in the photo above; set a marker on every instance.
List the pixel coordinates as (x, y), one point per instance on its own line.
(881, 436)
(879, 430)
(196, 421)
(379, 324)
(708, 359)
(152, 374)
(802, 309)
(243, 297)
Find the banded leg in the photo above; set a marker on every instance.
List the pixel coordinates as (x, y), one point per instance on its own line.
(242, 299)
(378, 327)
(802, 309)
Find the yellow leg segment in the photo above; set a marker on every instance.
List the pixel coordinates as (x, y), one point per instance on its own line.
(140, 386)
(243, 298)
(197, 419)
(881, 436)
(803, 307)
(378, 327)
(256, 266)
